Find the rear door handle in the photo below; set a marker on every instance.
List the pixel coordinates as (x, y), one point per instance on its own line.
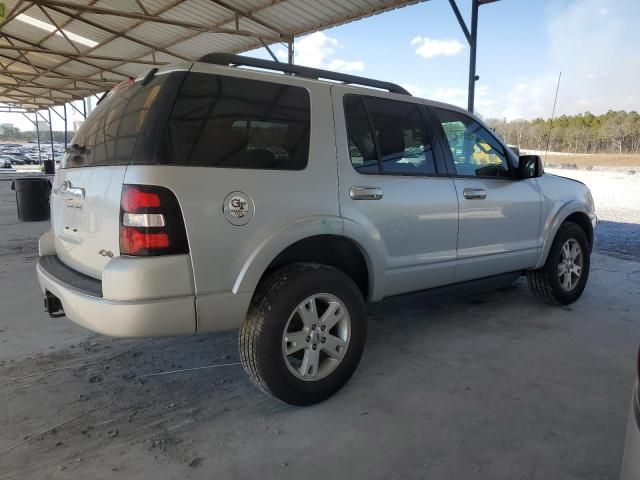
(475, 193)
(365, 193)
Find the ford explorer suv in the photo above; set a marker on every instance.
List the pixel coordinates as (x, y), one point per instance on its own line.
(238, 193)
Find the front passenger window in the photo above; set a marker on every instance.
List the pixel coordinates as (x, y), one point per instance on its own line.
(475, 151)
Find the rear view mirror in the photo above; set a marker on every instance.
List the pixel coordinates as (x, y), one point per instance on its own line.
(530, 166)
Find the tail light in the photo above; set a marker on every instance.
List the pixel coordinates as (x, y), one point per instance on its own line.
(151, 222)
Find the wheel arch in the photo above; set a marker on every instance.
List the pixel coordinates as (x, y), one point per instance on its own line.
(317, 241)
(332, 250)
(573, 212)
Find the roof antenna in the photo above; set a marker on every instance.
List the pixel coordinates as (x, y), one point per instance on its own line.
(553, 113)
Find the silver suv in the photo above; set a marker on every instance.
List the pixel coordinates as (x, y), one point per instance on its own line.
(210, 196)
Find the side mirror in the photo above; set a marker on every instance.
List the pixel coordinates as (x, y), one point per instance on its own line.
(530, 166)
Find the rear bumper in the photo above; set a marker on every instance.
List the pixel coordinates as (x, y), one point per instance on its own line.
(631, 459)
(117, 318)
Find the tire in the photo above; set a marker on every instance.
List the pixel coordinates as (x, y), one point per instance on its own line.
(546, 283)
(276, 307)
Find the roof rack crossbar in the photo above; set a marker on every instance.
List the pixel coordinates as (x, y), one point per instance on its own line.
(306, 72)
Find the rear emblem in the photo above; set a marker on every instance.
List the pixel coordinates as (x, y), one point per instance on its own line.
(238, 208)
(106, 253)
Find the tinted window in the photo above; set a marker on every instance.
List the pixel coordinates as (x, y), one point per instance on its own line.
(238, 123)
(109, 134)
(390, 139)
(362, 147)
(475, 151)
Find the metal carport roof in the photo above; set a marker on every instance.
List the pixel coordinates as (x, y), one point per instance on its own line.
(56, 51)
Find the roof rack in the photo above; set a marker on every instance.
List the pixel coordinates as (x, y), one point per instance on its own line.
(306, 72)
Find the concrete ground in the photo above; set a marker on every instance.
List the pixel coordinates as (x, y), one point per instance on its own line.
(472, 384)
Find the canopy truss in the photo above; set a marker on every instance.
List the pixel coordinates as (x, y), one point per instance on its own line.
(56, 51)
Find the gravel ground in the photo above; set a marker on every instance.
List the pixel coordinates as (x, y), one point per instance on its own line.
(617, 199)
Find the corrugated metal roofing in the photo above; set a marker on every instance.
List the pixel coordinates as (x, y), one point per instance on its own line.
(53, 51)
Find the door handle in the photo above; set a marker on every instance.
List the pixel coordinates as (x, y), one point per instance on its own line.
(475, 193)
(365, 193)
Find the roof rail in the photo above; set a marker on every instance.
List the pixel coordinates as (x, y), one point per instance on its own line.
(306, 72)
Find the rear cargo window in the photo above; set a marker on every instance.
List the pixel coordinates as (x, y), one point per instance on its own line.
(233, 122)
(108, 135)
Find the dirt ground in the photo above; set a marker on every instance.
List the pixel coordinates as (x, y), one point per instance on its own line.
(595, 160)
(474, 384)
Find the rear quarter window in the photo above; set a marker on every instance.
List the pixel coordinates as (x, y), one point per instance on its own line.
(230, 122)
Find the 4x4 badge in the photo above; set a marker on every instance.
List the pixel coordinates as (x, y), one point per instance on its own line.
(238, 208)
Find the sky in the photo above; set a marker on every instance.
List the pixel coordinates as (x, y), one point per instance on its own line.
(523, 45)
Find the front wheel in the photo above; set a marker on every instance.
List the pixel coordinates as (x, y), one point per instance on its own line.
(564, 275)
(304, 334)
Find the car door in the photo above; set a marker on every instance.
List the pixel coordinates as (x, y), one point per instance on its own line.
(499, 212)
(394, 186)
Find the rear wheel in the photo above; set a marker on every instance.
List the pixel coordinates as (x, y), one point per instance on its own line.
(304, 334)
(564, 275)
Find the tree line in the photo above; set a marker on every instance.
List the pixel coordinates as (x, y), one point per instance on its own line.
(611, 132)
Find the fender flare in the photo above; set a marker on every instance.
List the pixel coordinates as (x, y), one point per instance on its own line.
(558, 215)
(269, 248)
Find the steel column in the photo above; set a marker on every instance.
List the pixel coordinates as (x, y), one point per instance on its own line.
(53, 155)
(65, 126)
(472, 55)
(290, 51)
(38, 137)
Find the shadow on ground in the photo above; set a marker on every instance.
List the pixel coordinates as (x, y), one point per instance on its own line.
(618, 239)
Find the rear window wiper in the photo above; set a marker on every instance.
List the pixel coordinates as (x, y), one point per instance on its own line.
(76, 149)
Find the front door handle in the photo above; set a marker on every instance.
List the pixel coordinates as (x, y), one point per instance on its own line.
(365, 193)
(475, 193)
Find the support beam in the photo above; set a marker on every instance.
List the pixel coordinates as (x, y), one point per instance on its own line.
(76, 108)
(463, 25)
(38, 137)
(20, 48)
(472, 38)
(53, 155)
(472, 55)
(28, 118)
(273, 55)
(76, 7)
(65, 127)
(290, 51)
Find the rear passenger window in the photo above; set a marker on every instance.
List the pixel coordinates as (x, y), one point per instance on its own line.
(233, 122)
(387, 136)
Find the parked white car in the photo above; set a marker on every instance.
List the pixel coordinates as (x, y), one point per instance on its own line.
(206, 197)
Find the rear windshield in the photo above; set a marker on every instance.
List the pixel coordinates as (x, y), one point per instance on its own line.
(233, 122)
(108, 135)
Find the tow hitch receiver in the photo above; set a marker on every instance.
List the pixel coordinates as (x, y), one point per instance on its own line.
(52, 305)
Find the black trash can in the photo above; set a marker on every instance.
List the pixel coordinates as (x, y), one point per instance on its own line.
(49, 167)
(32, 198)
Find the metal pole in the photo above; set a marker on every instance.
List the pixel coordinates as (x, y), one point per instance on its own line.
(51, 134)
(84, 108)
(65, 126)
(290, 51)
(38, 137)
(472, 54)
